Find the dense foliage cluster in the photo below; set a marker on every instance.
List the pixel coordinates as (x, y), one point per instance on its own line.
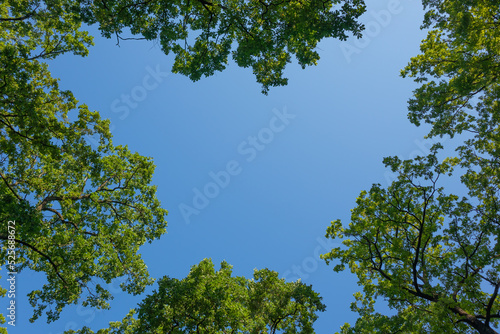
(259, 34)
(209, 301)
(433, 255)
(82, 212)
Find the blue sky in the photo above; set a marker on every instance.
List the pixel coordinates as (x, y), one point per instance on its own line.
(315, 144)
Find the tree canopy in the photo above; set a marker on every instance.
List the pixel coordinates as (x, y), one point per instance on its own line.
(202, 34)
(458, 67)
(433, 255)
(209, 301)
(81, 213)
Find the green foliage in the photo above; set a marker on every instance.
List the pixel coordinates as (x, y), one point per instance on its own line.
(458, 67)
(81, 212)
(209, 301)
(432, 256)
(259, 34)
(3, 330)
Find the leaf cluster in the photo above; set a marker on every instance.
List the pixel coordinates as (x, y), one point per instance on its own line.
(81, 212)
(209, 301)
(432, 255)
(261, 34)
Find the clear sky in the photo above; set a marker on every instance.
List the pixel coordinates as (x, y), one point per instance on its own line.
(252, 179)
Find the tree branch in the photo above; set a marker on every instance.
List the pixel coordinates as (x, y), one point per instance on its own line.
(56, 267)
